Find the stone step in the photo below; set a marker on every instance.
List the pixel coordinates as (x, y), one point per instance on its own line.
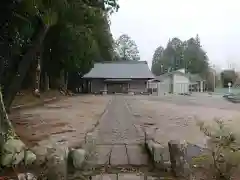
(119, 155)
(122, 176)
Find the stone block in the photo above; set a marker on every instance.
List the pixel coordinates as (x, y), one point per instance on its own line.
(57, 163)
(90, 138)
(103, 153)
(78, 157)
(90, 144)
(119, 155)
(6, 160)
(12, 152)
(13, 145)
(12, 159)
(179, 165)
(29, 157)
(149, 145)
(157, 152)
(136, 156)
(26, 176)
(128, 176)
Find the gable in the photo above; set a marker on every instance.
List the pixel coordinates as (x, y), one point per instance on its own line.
(180, 78)
(120, 70)
(195, 78)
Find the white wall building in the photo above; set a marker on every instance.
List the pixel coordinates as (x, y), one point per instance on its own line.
(176, 82)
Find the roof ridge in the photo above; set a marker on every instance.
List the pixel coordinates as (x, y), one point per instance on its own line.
(120, 69)
(122, 62)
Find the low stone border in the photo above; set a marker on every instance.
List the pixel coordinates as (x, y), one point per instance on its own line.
(60, 161)
(174, 157)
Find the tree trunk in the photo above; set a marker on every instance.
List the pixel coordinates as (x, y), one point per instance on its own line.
(46, 81)
(1, 69)
(12, 150)
(62, 80)
(6, 126)
(66, 80)
(23, 68)
(38, 78)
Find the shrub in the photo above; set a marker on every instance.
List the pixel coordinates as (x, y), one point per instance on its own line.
(221, 159)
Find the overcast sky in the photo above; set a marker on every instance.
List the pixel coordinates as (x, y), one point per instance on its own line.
(151, 23)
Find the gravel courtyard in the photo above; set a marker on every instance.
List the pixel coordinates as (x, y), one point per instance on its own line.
(117, 122)
(65, 121)
(175, 117)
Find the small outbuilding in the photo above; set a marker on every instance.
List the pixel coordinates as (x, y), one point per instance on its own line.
(176, 82)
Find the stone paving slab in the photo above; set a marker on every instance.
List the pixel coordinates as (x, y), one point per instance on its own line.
(105, 177)
(123, 176)
(130, 177)
(103, 154)
(119, 155)
(117, 126)
(136, 156)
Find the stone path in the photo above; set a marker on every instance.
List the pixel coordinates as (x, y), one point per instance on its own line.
(118, 140)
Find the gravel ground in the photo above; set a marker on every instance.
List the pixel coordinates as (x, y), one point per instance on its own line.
(65, 121)
(175, 117)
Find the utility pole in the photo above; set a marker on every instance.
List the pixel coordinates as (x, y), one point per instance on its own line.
(214, 78)
(162, 69)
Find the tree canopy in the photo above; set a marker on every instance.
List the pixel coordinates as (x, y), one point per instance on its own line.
(65, 35)
(180, 54)
(126, 48)
(227, 76)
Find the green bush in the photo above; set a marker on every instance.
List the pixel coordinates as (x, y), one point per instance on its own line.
(221, 159)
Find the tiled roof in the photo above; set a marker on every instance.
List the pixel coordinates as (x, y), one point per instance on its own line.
(163, 76)
(192, 77)
(120, 70)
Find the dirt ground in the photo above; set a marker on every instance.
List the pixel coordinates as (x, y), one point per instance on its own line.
(65, 121)
(26, 97)
(175, 117)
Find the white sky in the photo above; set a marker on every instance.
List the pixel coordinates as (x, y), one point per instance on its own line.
(151, 23)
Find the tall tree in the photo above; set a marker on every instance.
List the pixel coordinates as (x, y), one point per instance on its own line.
(174, 51)
(157, 61)
(126, 48)
(182, 54)
(44, 15)
(228, 76)
(195, 58)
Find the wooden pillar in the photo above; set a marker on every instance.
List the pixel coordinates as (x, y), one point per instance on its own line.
(201, 86)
